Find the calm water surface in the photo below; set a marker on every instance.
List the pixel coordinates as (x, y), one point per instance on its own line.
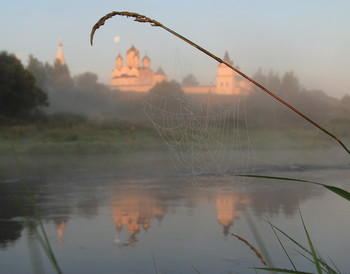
(125, 214)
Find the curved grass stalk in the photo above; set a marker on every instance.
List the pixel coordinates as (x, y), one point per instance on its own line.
(257, 252)
(339, 191)
(311, 245)
(143, 19)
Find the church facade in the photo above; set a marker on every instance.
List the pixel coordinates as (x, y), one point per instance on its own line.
(133, 76)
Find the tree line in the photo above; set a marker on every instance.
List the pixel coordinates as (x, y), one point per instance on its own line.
(264, 110)
(19, 94)
(79, 94)
(41, 88)
(32, 92)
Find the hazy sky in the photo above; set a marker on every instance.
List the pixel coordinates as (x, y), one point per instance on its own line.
(312, 38)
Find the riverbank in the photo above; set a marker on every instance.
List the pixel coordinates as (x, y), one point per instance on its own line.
(82, 138)
(117, 136)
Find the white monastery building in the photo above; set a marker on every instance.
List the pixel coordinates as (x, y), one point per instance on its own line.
(133, 76)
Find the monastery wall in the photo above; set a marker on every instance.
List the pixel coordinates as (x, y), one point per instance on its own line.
(141, 78)
(199, 89)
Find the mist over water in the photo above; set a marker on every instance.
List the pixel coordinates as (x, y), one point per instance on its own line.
(121, 209)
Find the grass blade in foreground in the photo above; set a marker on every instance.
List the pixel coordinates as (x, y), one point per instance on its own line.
(312, 248)
(281, 270)
(258, 238)
(154, 264)
(281, 244)
(339, 191)
(303, 248)
(144, 19)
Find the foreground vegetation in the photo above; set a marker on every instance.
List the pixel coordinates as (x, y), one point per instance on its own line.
(84, 136)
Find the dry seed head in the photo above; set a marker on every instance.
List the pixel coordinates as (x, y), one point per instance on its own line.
(257, 253)
(137, 17)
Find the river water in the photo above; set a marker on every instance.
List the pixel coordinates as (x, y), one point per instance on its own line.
(136, 213)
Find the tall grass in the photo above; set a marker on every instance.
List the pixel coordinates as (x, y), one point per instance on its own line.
(339, 191)
(310, 253)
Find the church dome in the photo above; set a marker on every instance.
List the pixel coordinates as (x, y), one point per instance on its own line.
(134, 50)
(146, 62)
(119, 62)
(132, 58)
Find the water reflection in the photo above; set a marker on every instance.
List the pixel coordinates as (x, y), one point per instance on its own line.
(163, 214)
(10, 231)
(133, 208)
(60, 230)
(137, 205)
(228, 207)
(10, 228)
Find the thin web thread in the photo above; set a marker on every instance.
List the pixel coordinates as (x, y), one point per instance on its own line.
(204, 140)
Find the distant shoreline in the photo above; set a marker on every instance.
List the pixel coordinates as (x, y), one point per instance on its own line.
(122, 136)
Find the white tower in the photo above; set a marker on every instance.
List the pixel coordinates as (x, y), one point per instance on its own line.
(59, 56)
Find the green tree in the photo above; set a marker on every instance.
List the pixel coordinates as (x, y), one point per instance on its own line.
(190, 80)
(87, 80)
(92, 95)
(61, 79)
(166, 88)
(290, 86)
(19, 95)
(167, 96)
(40, 71)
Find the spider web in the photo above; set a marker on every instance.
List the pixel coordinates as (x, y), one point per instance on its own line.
(207, 135)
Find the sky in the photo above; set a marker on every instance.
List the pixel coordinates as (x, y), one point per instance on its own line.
(310, 38)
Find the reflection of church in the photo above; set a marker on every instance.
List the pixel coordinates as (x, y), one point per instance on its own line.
(60, 225)
(228, 208)
(132, 76)
(134, 210)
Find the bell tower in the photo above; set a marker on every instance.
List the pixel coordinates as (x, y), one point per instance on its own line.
(59, 56)
(225, 78)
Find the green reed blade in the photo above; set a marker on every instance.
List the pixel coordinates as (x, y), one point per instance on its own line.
(312, 248)
(339, 191)
(280, 242)
(281, 270)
